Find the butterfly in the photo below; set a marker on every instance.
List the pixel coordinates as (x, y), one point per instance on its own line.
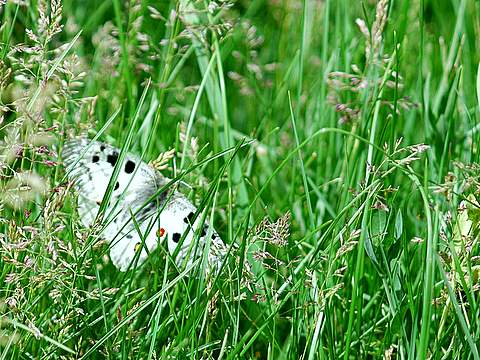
(133, 225)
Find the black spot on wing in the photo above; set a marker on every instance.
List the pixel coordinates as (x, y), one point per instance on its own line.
(189, 218)
(95, 158)
(102, 147)
(176, 237)
(112, 158)
(117, 185)
(129, 166)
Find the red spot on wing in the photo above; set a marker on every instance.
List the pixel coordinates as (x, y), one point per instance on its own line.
(161, 232)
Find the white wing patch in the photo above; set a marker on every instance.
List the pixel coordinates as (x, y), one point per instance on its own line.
(169, 217)
(172, 223)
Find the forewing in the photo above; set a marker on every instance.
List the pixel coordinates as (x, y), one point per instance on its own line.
(90, 164)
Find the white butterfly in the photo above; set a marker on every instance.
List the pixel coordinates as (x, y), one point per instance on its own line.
(170, 216)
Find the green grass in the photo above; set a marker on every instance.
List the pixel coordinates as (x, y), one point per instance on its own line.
(290, 112)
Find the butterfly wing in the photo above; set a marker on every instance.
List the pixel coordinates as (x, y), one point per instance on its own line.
(134, 229)
(90, 164)
(182, 228)
(171, 220)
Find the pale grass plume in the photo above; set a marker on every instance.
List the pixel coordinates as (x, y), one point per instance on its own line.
(275, 233)
(162, 160)
(381, 13)
(346, 89)
(23, 188)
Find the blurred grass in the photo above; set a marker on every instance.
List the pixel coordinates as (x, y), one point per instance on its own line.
(289, 112)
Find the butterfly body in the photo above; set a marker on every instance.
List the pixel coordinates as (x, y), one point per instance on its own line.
(138, 215)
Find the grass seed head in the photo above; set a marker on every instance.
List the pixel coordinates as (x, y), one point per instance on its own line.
(275, 233)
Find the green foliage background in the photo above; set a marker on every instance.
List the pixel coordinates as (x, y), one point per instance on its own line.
(357, 118)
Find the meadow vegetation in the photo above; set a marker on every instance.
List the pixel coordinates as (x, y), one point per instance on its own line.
(335, 143)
